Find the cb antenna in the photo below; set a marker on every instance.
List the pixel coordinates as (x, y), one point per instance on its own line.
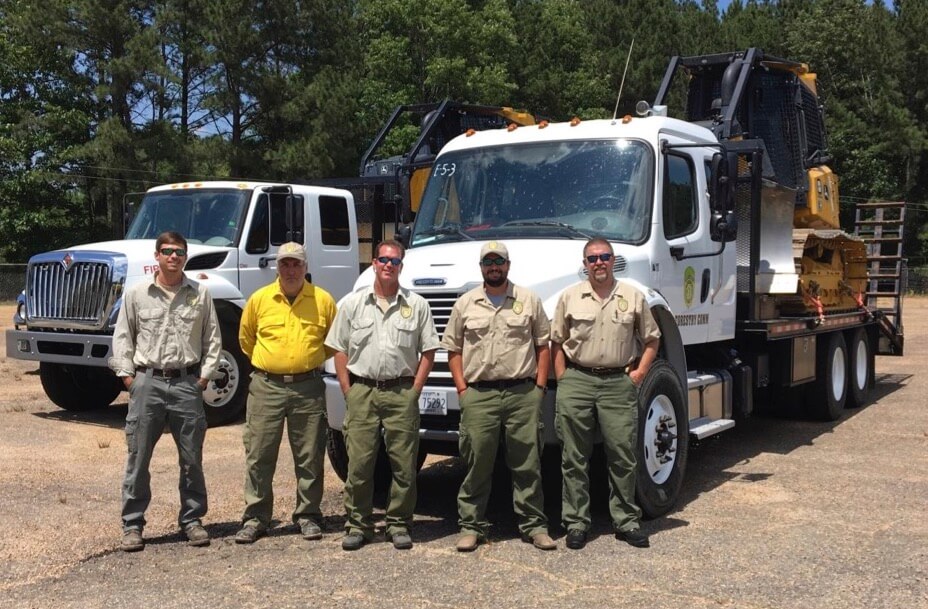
(622, 84)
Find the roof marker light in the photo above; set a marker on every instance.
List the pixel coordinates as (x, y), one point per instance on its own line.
(575, 121)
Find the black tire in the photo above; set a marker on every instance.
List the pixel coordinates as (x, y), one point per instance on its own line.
(225, 396)
(79, 388)
(827, 395)
(663, 440)
(860, 368)
(338, 457)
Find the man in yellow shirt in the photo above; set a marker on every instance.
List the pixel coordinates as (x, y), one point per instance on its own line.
(283, 331)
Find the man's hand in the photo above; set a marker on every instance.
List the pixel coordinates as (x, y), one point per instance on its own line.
(203, 383)
(127, 381)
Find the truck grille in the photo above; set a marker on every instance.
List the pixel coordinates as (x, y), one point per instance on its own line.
(441, 304)
(64, 292)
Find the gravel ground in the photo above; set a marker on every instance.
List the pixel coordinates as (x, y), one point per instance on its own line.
(777, 513)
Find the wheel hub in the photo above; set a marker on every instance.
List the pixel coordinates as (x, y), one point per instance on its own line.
(221, 389)
(660, 439)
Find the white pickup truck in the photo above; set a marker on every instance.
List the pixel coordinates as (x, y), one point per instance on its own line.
(65, 317)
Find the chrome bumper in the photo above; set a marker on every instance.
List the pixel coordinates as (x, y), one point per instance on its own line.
(59, 347)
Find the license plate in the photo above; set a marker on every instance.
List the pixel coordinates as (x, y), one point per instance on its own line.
(433, 402)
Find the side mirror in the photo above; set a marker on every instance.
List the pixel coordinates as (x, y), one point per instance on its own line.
(404, 234)
(723, 224)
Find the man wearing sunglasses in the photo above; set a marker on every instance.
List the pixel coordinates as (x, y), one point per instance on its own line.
(384, 341)
(282, 332)
(497, 341)
(165, 348)
(604, 339)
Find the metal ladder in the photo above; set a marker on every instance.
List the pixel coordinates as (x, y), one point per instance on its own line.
(880, 225)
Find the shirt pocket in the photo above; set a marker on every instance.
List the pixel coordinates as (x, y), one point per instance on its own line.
(518, 330)
(312, 334)
(362, 333)
(150, 323)
(581, 326)
(405, 332)
(185, 319)
(624, 318)
(475, 330)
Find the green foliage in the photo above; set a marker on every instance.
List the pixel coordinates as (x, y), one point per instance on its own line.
(99, 98)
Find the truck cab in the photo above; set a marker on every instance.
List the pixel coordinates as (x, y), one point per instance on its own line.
(66, 315)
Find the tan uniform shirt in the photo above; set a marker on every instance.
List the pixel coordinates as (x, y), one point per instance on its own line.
(606, 333)
(497, 343)
(157, 329)
(383, 345)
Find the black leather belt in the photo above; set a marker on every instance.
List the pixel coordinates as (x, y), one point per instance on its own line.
(387, 384)
(500, 384)
(288, 378)
(170, 373)
(598, 370)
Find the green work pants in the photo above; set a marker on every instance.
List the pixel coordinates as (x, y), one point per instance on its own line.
(396, 410)
(585, 401)
(152, 402)
(516, 412)
(302, 406)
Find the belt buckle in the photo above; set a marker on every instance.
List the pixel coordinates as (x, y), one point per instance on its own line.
(288, 378)
(381, 385)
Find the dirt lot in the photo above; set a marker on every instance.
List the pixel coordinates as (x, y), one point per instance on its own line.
(777, 513)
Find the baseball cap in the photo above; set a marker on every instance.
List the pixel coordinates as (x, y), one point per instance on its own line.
(291, 249)
(494, 247)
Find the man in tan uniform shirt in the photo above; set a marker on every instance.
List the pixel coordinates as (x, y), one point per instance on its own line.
(165, 348)
(384, 341)
(596, 331)
(497, 341)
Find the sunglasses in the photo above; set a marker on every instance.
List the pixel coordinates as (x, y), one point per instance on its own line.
(167, 251)
(592, 258)
(492, 261)
(386, 259)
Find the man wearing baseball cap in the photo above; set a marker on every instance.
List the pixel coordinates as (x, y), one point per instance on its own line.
(497, 340)
(283, 330)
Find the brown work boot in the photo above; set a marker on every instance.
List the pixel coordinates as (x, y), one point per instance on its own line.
(132, 541)
(196, 535)
(467, 542)
(542, 541)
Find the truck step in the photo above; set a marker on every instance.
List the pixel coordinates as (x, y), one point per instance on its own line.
(704, 427)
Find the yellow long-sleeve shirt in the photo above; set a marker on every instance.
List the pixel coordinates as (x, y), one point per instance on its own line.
(284, 338)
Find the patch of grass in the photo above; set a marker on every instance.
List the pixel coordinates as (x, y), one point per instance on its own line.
(62, 499)
(15, 408)
(103, 443)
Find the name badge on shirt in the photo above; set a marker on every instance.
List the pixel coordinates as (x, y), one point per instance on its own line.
(517, 307)
(191, 300)
(406, 311)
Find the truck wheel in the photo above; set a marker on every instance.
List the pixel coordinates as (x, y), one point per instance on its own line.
(826, 396)
(224, 398)
(79, 388)
(338, 457)
(861, 368)
(663, 440)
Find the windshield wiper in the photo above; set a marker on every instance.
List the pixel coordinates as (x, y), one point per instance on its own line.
(572, 230)
(446, 229)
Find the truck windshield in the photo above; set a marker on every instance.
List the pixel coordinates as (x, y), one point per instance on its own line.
(213, 216)
(565, 190)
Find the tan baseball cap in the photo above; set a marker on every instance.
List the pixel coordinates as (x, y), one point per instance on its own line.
(291, 249)
(494, 247)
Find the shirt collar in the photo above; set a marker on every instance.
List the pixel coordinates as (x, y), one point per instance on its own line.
(401, 294)
(586, 289)
(185, 282)
(307, 291)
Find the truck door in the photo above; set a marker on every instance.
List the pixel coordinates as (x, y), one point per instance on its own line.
(691, 275)
(332, 240)
(267, 229)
